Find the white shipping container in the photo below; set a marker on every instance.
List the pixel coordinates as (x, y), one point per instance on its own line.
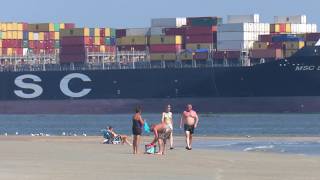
(169, 22)
(314, 28)
(157, 31)
(234, 45)
(137, 31)
(25, 51)
(238, 36)
(302, 28)
(300, 19)
(248, 27)
(254, 18)
(36, 36)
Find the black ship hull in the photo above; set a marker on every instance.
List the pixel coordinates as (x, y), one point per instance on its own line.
(279, 86)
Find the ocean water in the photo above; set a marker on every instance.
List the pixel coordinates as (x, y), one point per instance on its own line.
(209, 125)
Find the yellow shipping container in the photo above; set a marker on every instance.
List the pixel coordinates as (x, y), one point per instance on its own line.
(75, 32)
(31, 36)
(20, 27)
(0, 26)
(277, 28)
(102, 49)
(294, 45)
(260, 45)
(132, 40)
(4, 35)
(20, 35)
(311, 43)
(62, 26)
(14, 26)
(97, 41)
(9, 26)
(97, 32)
(163, 56)
(4, 27)
(56, 35)
(288, 28)
(14, 34)
(41, 36)
(9, 51)
(289, 53)
(9, 35)
(165, 40)
(195, 46)
(107, 32)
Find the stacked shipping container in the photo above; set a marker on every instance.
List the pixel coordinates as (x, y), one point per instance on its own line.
(165, 47)
(44, 38)
(76, 42)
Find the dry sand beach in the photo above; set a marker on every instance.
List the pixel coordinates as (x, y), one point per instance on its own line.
(84, 158)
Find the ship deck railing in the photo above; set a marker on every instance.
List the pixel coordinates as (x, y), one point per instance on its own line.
(49, 66)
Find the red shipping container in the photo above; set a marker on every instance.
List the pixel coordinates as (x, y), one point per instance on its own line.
(31, 44)
(19, 51)
(24, 26)
(102, 32)
(52, 35)
(266, 53)
(200, 39)
(121, 33)
(75, 58)
(73, 50)
(167, 48)
(226, 54)
(200, 30)
(4, 51)
(233, 54)
(175, 31)
(46, 36)
(131, 48)
(69, 25)
(102, 40)
(283, 28)
(110, 48)
(70, 41)
(276, 45)
(265, 38)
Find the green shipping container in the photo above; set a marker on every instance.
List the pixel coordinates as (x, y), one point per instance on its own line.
(0, 35)
(56, 27)
(25, 43)
(113, 32)
(56, 44)
(204, 21)
(108, 41)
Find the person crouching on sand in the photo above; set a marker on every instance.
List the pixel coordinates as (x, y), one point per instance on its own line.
(137, 125)
(161, 132)
(168, 120)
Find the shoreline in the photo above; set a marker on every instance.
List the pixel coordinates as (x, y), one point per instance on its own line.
(83, 158)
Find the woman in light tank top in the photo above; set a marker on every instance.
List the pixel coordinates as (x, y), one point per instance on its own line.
(168, 120)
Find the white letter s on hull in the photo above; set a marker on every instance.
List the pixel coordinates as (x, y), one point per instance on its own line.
(37, 90)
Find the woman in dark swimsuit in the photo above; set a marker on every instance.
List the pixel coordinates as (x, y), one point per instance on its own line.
(137, 125)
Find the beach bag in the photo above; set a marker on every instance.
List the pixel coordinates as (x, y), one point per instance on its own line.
(150, 149)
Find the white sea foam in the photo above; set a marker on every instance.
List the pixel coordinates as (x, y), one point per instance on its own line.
(259, 148)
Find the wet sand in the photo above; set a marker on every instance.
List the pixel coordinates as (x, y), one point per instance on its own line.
(84, 158)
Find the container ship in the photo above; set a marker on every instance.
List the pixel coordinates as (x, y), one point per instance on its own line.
(241, 65)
